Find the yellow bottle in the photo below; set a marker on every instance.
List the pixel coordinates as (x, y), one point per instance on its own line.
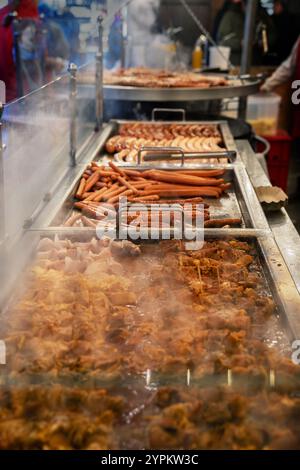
(197, 58)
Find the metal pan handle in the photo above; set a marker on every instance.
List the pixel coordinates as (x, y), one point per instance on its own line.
(230, 154)
(161, 152)
(168, 110)
(267, 145)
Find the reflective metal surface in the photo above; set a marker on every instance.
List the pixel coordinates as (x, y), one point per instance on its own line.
(238, 88)
(227, 138)
(284, 231)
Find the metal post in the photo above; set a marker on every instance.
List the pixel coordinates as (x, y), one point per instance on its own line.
(2, 206)
(43, 34)
(73, 113)
(122, 58)
(247, 48)
(2, 199)
(18, 61)
(124, 32)
(99, 77)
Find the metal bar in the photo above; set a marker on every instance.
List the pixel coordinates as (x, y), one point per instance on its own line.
(161, 150)
(99, 77)
(124, 30)
(247, 48)
(19, 75)
(215, 232)
(44, 34)
(2, 194)
(248, 36)
(242, 108)
(230, 155)
(73, 113)
(3, 257)
(267, 145)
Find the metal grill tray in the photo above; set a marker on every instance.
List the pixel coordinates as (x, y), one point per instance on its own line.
(240, 201)
(237, 88)
(112, 129)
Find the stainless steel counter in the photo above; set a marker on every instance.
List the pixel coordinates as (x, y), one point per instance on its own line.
(285, 233)
(282, 253)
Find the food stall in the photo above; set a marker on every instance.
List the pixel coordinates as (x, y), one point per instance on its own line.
(116, 342)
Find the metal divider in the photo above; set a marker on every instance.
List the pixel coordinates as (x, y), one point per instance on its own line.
(2, 199)
(99, 77)
(73, 113)
(3, 257)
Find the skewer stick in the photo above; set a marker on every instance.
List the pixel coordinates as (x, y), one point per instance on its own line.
(229, 378)
(200, 276)
(218, 276)
(188, 377)
(272, 378)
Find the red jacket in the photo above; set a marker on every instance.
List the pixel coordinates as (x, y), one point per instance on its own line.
(26, 9)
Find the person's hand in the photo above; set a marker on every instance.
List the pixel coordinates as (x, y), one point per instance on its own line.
(264, 88)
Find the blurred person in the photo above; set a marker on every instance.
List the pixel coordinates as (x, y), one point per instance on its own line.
(36, 66)
(57, 44)
(31, 55)
(231, 31)
(218, 18)
(145, 48)
(283, 22)
(287, 71)
(263, 22)
(115, 44)
(26, 9)
(70, 27)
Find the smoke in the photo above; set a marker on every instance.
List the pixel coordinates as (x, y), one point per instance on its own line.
(36, 159)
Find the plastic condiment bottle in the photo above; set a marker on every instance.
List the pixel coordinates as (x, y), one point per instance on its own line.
(197, 57)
